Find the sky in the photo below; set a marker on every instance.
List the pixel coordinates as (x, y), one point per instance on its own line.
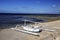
(30, 6)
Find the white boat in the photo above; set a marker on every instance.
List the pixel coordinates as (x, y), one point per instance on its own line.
(31, 28)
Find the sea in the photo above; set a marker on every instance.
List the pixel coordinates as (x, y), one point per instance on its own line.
(9, 20)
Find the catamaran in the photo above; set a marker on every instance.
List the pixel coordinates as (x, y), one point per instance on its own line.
(28, 28)
(31, 29)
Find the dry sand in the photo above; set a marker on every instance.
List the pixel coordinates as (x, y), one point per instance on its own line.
(8, 34)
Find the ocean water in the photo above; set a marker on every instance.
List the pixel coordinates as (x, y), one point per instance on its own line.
(8, 21)
(12, 19)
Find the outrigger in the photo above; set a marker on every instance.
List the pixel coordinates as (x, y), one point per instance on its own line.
(34, 30)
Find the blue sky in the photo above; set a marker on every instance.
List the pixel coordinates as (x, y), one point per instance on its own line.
(30, 6)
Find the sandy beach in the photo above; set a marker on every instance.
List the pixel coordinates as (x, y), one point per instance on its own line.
(8, 34)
